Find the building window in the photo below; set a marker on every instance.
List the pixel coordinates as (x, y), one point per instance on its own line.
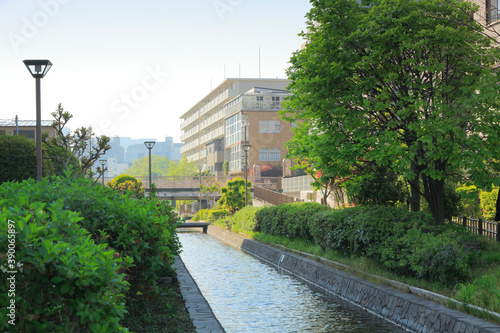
(270, 154)
(235, 157)
(233, 129)
(492, 13)
(30, 134)
(269, 126)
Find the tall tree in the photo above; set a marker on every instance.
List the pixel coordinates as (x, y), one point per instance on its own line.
(183, 168)
(405, 84)
(65, 147)
(159, 166)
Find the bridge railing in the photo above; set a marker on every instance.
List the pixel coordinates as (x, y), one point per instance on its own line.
(272, 183)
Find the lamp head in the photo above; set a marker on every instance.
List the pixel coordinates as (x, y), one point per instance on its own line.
(38, 68)
(149, 144)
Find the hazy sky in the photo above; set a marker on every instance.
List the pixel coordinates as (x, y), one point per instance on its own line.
(131, 68)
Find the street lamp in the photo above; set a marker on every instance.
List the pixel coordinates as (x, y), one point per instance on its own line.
(149, 145)
(103, 163)
(246, 148)
(38, 69)
(200, 168)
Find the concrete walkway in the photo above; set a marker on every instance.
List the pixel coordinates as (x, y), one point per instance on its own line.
(199, 310)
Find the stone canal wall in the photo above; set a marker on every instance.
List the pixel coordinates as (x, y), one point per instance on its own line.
(411, 312)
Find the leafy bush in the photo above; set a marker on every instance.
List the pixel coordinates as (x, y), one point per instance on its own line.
(65, 281)
(127, 184)
(406, 242)
(244, 220)
(488, 203)
(87, 253)
(18, 159)
(291, 220)
(233, 195)
(210, 215)
(470, 201)
(445, 257)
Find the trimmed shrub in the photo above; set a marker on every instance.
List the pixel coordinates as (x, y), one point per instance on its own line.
(290, 220)
(127, 184)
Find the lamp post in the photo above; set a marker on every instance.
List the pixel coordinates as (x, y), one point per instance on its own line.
(103, 163)
(246, 148)
(38, 69)
(149, 145)
(200, 168)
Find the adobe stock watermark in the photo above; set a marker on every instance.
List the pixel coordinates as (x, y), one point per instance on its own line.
(123, 106)
(223, 6)
(10, 269)
(32, 25)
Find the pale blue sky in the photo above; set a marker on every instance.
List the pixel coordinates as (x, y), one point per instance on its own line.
(131, 68)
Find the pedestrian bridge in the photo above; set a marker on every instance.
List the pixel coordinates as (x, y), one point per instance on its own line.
(188, 187)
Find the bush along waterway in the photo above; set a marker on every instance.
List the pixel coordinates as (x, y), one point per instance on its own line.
(247, 295)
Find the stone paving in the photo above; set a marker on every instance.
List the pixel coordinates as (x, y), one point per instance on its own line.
(199, 310)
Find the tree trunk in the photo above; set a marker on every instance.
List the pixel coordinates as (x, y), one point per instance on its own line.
(434, 193)
(497, 215)
(415, 191)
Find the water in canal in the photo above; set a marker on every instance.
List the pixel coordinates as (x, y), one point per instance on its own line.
(247, 295)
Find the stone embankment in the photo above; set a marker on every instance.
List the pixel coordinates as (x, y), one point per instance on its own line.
(411, 312)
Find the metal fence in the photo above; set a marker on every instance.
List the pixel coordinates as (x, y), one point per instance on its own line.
(273, 197)
(481, 227)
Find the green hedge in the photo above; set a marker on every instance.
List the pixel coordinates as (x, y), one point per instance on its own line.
(210, 215)
(290, 220)
(404, 241)
(79, 245)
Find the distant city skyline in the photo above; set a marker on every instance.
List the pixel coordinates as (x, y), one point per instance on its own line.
(131, 68)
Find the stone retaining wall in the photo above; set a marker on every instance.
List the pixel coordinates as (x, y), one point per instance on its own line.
(411, 312)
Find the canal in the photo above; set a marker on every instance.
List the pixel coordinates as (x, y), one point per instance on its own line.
(247, 295)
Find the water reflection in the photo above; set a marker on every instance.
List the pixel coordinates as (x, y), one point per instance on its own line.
(247, 295)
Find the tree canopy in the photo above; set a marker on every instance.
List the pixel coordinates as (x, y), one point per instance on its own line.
(407, 85)
(159, 166)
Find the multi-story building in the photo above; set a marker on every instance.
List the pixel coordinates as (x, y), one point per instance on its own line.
(213, 129)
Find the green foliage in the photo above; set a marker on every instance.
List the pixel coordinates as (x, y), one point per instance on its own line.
(406, 242)
(373, 86)
(470, 201)
(127, 184)
(66, 281)
(488, 203)
(376, 186)
(210, 215)
(233, 195)
(159, 166)
(182, 168)
(445, 257)
(225, 168)
(244, 220)
(18, 159)
(76, 245)
(291, 220)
